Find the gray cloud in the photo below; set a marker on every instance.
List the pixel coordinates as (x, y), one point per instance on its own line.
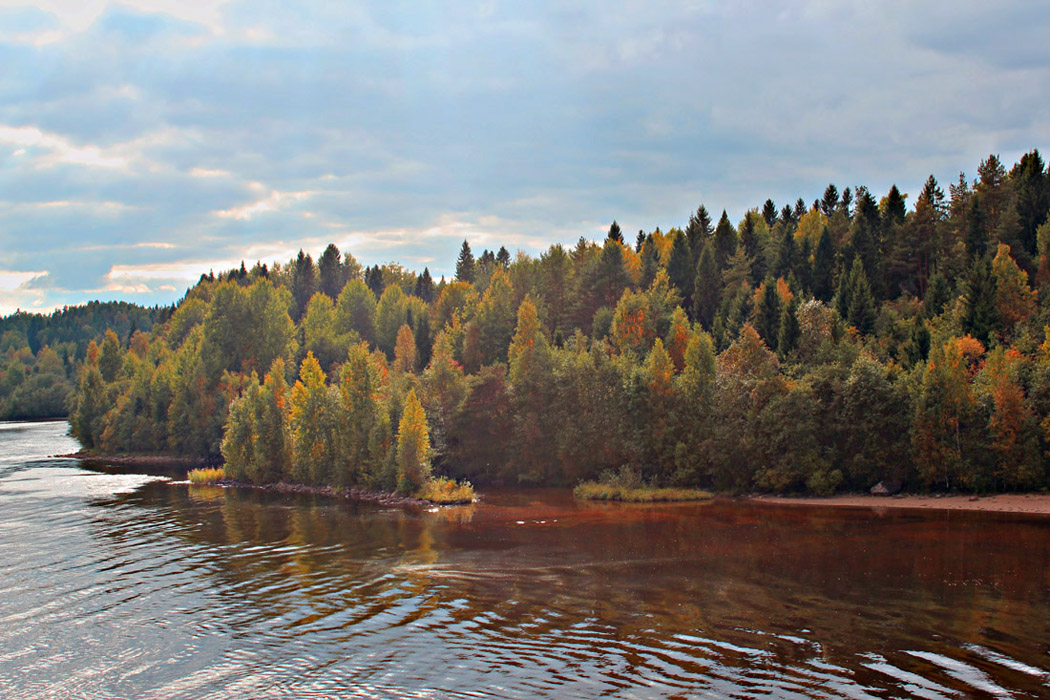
(236, 129)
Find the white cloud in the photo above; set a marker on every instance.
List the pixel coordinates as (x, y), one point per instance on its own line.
(276, 200)
(60, 149)
(17, 292)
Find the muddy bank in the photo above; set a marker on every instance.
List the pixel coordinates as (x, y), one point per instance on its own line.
(1033, 503)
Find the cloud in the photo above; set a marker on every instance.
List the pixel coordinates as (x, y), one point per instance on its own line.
(145, 142)
(17, 290)
(274, 201)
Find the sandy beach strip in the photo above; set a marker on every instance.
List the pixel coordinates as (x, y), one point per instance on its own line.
(1032, 503)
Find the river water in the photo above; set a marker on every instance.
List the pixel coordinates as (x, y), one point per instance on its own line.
(118, 585)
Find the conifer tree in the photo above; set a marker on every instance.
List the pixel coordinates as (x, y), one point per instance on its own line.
(824, 267)
(680, 268)
(725, 241)
(769, 213)
(861, 311)
(465, 266)
(789, 331)
(699, 229)
(979, 313)
(330, 271)
(650, 259)
(615, 234)
(767, 313)
(425, 286)
(707, 288)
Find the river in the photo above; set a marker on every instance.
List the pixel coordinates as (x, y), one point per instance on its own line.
(118, 585)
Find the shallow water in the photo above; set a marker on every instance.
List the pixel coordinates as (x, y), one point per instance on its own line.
(116, 585)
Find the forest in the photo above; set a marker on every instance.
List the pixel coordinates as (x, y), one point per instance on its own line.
(809, 348)
(40, 354)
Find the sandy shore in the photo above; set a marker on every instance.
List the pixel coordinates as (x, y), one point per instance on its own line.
(1035, 503)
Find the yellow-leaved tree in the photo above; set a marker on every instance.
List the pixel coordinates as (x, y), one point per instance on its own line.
(413, 446)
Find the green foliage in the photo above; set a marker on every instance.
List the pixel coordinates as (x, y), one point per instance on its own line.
(553, 370)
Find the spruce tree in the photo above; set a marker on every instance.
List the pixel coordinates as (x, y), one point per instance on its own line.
(787, 255)
(788, 335)
(503, 257)
(979, 313)
(707, 288)
(824, 267)
(724, 241)
(767, 313)
(465, 266)
(861, 311)
(425, 286)
(330, 271)
(650, 262)
(615, 234)
(680, 268)
(698, 230)
(769, 213)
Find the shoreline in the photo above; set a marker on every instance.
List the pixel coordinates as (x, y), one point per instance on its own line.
(1023, 503)
(380, 497)
(145, 460)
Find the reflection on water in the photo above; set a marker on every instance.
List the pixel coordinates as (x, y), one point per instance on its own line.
(117, 585)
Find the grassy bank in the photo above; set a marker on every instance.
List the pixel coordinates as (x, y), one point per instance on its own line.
(594, 491)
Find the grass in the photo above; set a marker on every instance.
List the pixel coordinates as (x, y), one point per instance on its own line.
(595, 491)
(444, 491)
(206, 476)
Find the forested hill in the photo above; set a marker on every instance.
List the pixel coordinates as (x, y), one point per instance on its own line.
(814, 346)
(40, 353)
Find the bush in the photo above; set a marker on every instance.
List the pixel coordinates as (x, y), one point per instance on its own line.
(206, 476)
(445, 491)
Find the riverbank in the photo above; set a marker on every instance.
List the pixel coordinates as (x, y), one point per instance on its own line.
(1029, 503)
(380, 497)
(143, 460)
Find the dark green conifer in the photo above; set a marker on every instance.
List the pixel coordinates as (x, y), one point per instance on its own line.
(707, 288)
(680, 269)
(465, 266)
(824, 267)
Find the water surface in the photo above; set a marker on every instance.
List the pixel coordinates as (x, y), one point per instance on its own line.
(117, 585)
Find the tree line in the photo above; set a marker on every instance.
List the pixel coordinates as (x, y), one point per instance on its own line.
(807, 348)
(40, 353)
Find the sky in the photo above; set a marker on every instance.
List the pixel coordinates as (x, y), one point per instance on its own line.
(147, 141)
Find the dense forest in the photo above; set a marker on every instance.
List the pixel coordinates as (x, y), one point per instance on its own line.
(40, 354)
(809, 348)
